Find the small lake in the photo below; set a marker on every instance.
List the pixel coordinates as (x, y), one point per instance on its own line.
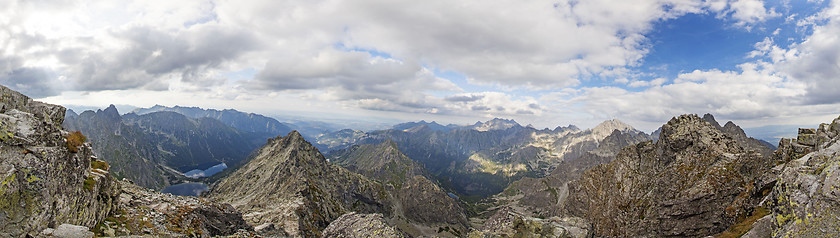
(186, 189)
(197, 173)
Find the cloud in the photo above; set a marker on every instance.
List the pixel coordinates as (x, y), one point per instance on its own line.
(33, 82)
(744, 13)
(755, 91)
(815, 61)
(117, 46)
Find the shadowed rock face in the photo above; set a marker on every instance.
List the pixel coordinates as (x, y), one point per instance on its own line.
(290, 185)
(694, 181)
(44, 183)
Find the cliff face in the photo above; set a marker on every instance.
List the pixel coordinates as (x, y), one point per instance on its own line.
(694, 181)
(289, 185)
(47, 180)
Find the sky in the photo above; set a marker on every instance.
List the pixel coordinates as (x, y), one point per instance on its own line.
(540, 62)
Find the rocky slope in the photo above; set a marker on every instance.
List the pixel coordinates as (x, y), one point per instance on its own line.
(353, 225)
(290, 186)
(806, 199)
(694, 181)
(145, 212)
(155, 149)
(506, 222)
(49, 176)
(422, 205)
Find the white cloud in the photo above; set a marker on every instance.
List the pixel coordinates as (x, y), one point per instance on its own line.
(754, 91)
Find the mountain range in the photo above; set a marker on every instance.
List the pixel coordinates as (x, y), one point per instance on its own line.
(155, 150)
(497, 178)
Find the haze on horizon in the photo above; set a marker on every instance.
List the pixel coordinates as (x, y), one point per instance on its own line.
(545, 63)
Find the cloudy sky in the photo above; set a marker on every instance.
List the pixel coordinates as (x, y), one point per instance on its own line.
(540, 62)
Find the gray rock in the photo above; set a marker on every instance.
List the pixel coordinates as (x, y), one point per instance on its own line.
(804, 202)
(290, 184)
(694, 181)
(72, 231)
(508, 223)
(46, 181)
(352, 225)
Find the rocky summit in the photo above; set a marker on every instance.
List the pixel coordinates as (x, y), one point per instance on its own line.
(290, 188)
(49, 176)
(694, 181)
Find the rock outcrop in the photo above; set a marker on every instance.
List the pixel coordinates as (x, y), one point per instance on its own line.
(49, 176)
(289, 185)
(146, 212)
(694, 181)
(352, 225)
(806, 199)
(508, 223)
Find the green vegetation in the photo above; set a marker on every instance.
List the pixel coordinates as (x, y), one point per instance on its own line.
(98, 164)
(89, 183)
(745, 225)
(74, 140)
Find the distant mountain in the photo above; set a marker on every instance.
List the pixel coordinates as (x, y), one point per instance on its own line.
(432, 125)
(248, 122)
(495, 124)
(155, 149)
(330, 141)
(482, 159)
(422, 201)
(545, 197)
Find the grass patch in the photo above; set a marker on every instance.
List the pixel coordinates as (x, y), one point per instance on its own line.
(744, 226)
(89, 182)
(74, 140)
(98, 164)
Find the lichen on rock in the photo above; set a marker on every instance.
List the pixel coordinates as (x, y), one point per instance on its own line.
(44, 184)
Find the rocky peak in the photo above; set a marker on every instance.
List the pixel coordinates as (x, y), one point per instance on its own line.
(711, 119)
(289, 185)
(496, 124)
(607, 127)
(694, 181)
